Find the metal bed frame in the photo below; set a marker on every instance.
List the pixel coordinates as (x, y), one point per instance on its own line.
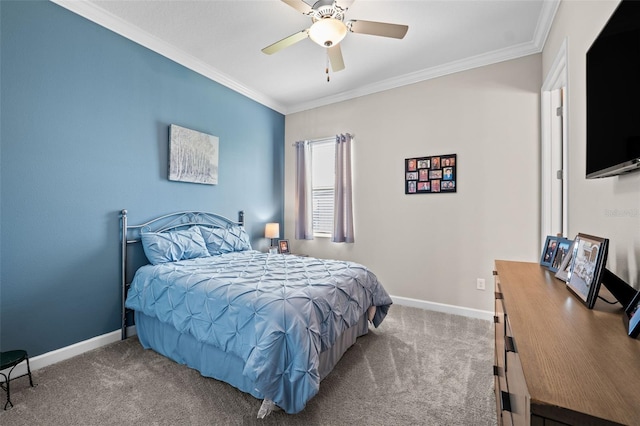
(130, 234)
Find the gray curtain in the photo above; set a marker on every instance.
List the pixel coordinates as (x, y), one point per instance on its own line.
(343, 203)
(304, 195)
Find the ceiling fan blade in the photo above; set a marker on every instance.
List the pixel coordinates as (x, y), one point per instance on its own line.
(299, 5)
(286, 42)
(335, 57)
(344, 4)
(382, 29)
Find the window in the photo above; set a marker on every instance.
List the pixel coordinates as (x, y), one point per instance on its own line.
(322, 185)
(316, 176)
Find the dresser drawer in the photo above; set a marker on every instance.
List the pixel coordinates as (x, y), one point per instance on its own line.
(519, 398)
(501, 390)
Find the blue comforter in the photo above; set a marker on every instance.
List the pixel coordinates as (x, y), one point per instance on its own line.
(275, 312)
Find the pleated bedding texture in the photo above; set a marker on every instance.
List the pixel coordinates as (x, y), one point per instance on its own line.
(274, 313)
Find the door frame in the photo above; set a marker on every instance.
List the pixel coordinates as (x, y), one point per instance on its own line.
(556, 79)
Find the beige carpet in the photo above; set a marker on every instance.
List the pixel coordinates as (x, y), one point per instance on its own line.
(419, 368)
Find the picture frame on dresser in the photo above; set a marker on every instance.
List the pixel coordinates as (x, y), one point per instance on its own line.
(632, 316)
(548, 250)
(562, 250)
(563, 269)
(588, 258)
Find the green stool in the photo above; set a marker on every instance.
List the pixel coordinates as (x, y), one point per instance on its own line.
(11, 359)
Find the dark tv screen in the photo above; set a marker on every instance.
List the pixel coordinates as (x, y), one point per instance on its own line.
(613, 95)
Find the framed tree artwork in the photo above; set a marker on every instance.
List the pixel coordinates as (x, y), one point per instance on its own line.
(193, 156)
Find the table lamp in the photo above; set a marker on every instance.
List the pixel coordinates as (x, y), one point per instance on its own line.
(272, 231)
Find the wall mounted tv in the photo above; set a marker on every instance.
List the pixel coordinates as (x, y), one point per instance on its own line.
(613, 95)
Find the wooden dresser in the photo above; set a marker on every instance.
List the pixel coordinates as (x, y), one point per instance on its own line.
(556, 361)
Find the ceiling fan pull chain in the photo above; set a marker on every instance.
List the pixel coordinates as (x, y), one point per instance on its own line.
(326, 69)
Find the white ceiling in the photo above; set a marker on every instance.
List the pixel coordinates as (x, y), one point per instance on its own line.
(222, 39)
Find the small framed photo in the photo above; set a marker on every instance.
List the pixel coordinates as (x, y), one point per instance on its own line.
(283, 246)
(632, 316)
(587, 263)
(563, 270)
(548, 250)
(562, 249)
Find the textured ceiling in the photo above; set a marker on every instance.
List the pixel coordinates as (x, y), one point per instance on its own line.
(222, 39)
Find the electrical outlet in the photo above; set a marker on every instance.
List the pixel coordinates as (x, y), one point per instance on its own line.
(480, 284)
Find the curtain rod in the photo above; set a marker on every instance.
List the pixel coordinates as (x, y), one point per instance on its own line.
(327, 139)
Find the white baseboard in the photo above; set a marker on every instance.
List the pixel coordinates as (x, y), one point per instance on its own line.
(67, 352)
(441, 307)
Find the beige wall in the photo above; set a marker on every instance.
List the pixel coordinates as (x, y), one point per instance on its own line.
(433, 247)
(608, 207)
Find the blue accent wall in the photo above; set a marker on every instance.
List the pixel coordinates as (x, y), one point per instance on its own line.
(84, 127)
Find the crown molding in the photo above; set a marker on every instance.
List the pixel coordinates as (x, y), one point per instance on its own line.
(113, 23)
(549, 8)
(465, 64)
(545, 21)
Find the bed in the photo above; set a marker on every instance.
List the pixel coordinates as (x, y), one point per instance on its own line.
(272, 325)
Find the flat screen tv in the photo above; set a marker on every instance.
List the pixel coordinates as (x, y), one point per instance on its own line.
(613, 95)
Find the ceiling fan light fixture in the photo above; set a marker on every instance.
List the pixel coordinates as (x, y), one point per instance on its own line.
(327, 32)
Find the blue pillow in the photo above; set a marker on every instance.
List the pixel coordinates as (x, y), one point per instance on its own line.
(226, 240)
(171, 246)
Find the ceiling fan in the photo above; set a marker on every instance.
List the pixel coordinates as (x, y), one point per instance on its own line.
(329, 28)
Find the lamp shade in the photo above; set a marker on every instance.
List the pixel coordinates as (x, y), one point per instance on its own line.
(272, 230)
(327, 32)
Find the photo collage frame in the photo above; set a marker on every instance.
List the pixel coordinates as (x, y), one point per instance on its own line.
(431, 175)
